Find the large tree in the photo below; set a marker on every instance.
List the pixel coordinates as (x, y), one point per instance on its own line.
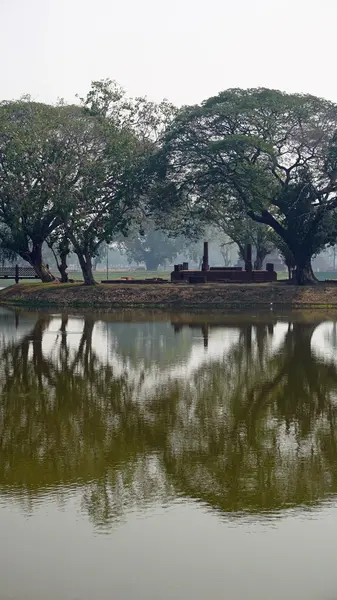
(101, 204)
(132, 128)
(273, 153)
(30, 178)
(63, 174)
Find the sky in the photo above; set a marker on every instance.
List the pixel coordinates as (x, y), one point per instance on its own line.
(182, 50)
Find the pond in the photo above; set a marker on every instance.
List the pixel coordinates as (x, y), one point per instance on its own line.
(168, 456)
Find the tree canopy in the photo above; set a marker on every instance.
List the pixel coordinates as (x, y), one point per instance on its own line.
(273, 154)
(32, 171)
(62, 169)
(100, 205)
(259, 164)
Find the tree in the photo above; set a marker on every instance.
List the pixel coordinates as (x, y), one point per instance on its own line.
(58, 181)
(101, 204)
(262, 243)
(63, 168)
(6, 254)
(274, 154)
(107, 201)
(30, 176)
(152, 247)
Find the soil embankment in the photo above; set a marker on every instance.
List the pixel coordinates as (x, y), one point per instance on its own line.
(200, 296)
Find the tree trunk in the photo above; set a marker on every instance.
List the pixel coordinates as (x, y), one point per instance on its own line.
(86, 267)
(62, 267)
(151, 263)
(304, 274)
(261, 254)
(62, 263)
(258, 263)
(243, 257)
(34, 257)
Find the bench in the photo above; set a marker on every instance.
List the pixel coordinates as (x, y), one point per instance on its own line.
(17, 273)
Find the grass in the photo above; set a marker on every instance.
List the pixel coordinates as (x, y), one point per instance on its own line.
(99, 275)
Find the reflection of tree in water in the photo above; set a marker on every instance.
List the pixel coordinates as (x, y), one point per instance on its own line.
(254, 430)
(149, 344)
(66, 420)
(262, 437)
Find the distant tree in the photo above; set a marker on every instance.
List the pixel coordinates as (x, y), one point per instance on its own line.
(100, 255)
(242, 230)
(225, 253)
(5, 253)
(152, 247)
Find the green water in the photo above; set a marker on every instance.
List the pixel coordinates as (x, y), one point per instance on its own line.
(160, 456)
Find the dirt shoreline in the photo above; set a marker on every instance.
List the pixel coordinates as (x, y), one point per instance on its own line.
(201, 297)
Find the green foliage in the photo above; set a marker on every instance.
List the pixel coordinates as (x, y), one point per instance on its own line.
(246, 161)
(110, 204)
(61, 167)
(148, 120)
(271, 153)
(100, 205)
(32, 171)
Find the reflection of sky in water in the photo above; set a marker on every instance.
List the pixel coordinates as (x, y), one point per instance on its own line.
(153, 349)
(152, 353)
(179, 552)
(8, 329)
(113, 340)
(324, 341)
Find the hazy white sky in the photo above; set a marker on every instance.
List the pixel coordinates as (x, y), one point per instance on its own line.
(184, 50)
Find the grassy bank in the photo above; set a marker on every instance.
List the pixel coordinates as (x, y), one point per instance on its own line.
(205, 296)
(99, 275)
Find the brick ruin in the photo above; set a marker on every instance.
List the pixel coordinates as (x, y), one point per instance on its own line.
(209, 274)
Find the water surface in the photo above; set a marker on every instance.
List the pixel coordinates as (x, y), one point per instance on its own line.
(167, 456)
